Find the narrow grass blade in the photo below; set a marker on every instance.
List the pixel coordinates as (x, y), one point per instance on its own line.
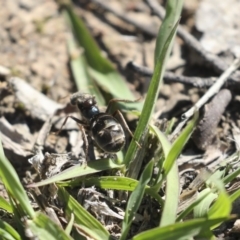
(142, 128)
(170, 207)
(135, 199)
(173, 13)
(189, 208)
(170, 171)
(172, 184)
(80, 72)
(235, 196)
(201, 210)
(231, 176)
(166, 145)
(114, 182)
(178, 144)
(101, 69)
(69, 227)
(111, 182)
(12, 184)
(4, 204)
(222, 206)
(6, 236)
(42, 227)
(78, 171)
(91, 50)
(94, 228)
(180, 231)
(8, 232)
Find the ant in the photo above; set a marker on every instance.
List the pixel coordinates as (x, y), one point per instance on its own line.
(106, 130)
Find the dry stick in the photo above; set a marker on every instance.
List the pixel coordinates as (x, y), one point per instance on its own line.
(210, 93)
(213, 60)
(104, 5)
(205, 132)
(170, 77)
(213, 89)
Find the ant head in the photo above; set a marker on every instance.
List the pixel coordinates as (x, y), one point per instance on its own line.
(86, 103)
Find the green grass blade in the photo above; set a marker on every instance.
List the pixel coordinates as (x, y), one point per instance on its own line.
(5, 235)
(91, 49)
(166, 145)
(189, 208)
(111, 182)
(79, 170)
(42, 227)
(8, 232)
(180, 231)
(170, 207)
(202, 208)
(69, 226)
(231, 176)
(108, 182)
(82, 217)
(221, 208)
(4, 204)
(172, 185)
(12, 183)
(235, 196)
(80, 72)
(142, 128)
(100, 68)
(170, 170)
(178, 145)
(120, 183)
(135, 199)
(173, 13)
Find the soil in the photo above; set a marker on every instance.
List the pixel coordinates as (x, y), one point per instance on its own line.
(33, 47)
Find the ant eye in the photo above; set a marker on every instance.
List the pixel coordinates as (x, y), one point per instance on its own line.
(94, 110)
(90, 112)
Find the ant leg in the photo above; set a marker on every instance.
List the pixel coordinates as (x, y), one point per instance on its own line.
(114, 100)
(65, 121)
(126, 126)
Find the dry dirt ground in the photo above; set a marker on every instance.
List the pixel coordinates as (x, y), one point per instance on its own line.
(33, 48)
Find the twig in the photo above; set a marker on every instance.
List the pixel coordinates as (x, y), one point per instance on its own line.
(31, 98)
(213, 89)
(104, 5)
(170, 77)
(213, 60)
(205, 132)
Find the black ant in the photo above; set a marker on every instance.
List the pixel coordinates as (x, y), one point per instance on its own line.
(106, 130)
